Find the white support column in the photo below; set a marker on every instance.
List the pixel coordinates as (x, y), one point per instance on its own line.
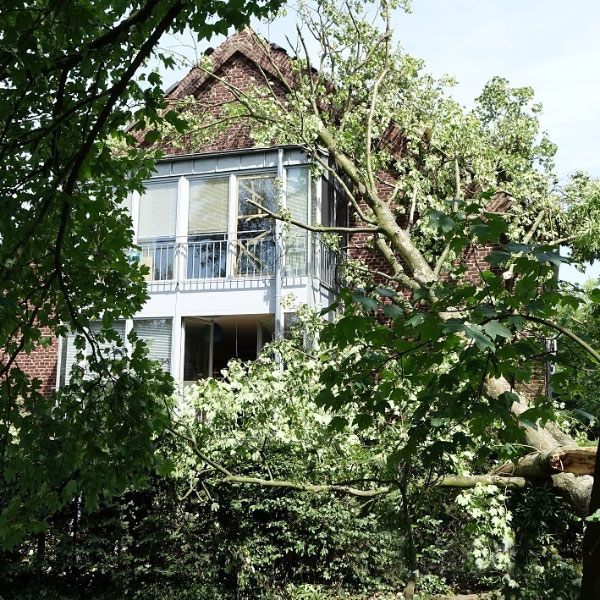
(177, 347)
(232, 214)
(135, 214)
(279, 263)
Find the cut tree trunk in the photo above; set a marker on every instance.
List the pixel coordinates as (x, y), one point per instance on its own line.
(563, 459)
(576, 490)
(590, 584)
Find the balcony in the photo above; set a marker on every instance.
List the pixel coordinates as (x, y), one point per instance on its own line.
(241, 260)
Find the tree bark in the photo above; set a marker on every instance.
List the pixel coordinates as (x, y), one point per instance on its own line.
(577, 460)
(590, 585)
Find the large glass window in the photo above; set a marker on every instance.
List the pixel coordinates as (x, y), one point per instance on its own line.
(207, 228)
(296, 244)
(255, 255)
(157, 223)
(158, 211)
(209, 205)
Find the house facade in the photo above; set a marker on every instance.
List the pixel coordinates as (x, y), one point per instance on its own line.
(223, 277)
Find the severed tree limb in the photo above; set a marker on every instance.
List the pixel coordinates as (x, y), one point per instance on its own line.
(577, 460)
(450, 481)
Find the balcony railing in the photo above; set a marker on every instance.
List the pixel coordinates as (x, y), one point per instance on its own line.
(248, 255)
(159, 257)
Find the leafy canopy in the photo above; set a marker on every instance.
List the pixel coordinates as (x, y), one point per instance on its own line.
(72, 78)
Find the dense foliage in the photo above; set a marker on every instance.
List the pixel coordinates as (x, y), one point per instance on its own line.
(191, 534)
(327, 465)
(72, 77)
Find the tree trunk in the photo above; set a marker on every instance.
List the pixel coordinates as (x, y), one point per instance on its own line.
(590, 585)
(575, 490)
(564, 459)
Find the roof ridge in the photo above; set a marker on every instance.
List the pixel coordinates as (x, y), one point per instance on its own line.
(242, 41)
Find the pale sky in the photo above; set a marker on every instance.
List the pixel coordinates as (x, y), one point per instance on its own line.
(551, 46)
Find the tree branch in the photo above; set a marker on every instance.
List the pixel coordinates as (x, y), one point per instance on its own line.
(314, 228)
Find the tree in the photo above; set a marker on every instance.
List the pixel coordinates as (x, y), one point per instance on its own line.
(443, 191)
(73, 76)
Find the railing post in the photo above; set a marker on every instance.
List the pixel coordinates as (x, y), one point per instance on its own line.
(180, 266)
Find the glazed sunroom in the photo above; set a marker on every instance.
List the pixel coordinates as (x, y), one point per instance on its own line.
(199, 222)
(219, 267)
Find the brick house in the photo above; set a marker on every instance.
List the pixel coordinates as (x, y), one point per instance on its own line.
(217, 270)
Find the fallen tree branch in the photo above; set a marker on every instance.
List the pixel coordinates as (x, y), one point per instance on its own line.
(313, 228)
(579, 460)
(450, 481)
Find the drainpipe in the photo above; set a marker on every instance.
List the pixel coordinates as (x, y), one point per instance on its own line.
(279, 254)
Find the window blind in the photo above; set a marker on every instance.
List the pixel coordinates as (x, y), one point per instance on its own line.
(157, 335)
(297, 204)
(158, 210)
(209, 202)
(297, 193)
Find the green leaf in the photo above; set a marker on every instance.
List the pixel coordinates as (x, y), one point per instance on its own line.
(164, 466)
(338, 423)
(550, 257)
(442, 221)
(392, 311)
(368, 303)
(496, 329)
(363, 420)
(152, 136)
(474, 332)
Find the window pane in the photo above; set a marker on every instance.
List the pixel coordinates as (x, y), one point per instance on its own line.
(209, 201)
(255, 250)
(297, 193)
(262, 191)
(159, 257)
(296, 246)
(158, 210)
(207, 256)
(157, 335)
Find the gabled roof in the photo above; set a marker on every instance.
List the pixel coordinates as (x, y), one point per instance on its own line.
(241, 42)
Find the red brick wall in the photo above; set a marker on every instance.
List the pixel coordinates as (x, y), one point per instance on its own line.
(240, 63)
(41, 364)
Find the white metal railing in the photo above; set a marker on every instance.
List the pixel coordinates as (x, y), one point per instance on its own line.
(245, 255)
(326, 262)
(207, 259)
(159, 257)
(254, 255)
